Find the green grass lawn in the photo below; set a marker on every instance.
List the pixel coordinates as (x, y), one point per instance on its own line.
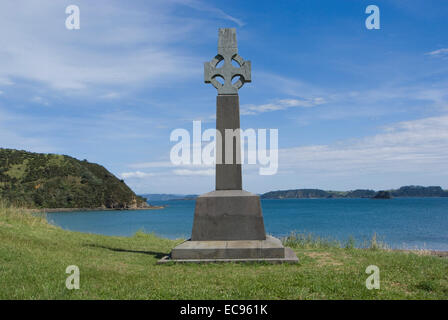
(34, 256)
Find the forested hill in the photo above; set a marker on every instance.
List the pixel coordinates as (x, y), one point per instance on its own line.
(406, 191)
(37, 180)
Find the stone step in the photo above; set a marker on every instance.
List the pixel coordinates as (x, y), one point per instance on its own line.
(238, 251)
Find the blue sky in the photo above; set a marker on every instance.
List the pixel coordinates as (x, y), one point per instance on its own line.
(355, 108)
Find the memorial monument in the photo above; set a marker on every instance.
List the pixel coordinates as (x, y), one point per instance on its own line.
(228, 222)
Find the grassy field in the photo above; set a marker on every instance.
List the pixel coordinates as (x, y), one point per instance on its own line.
(34, 256)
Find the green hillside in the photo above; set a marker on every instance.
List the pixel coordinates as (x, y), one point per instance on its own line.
(36, 180)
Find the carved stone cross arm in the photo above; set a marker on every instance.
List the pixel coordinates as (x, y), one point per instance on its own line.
(227, 51)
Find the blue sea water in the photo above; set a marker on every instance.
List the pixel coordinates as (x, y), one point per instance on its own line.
(400, 222)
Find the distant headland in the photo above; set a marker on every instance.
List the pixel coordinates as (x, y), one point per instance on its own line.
(168, 196)
(405, 191)
(62, 183)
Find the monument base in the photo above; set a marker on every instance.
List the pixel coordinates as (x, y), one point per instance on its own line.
(269, 250)
(225, 215)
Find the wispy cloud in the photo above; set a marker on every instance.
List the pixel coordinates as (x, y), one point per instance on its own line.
(151, 164)
(409, 146)
(5, 81)
(443, 52)
(164, 164)
(110, 95)
(204, 6)
(281, 104)
(188, 172)
(136, 174)
(39, 100)
(47, 132)
(141, 49)
(11, 137)
(406, 148)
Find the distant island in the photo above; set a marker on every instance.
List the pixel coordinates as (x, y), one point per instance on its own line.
(168, 196)
(36, 180)
(382, 195)
(406, 191)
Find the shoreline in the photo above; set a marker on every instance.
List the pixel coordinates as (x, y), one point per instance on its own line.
(55, 210)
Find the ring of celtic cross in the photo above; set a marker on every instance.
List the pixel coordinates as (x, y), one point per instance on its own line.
(227, 51)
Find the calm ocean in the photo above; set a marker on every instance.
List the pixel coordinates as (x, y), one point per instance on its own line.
(401, 222)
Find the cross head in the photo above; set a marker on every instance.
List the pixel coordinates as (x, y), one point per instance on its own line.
(227, 51)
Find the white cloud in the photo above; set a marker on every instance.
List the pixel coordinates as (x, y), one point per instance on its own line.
(11, 137)
(294, 87)
(410, 146)
(140, 49)
(203, 6)
(188, 172)
(40, 100)
(136, 174)
(47, 132)
(439, 53)
(359, 102)
(281, 104)
(154, 164)
(164, 164)
(5, 82)
(110, 95)
(407, 152)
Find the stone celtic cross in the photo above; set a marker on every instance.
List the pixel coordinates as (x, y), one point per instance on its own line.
(227, 51)
(228, 222)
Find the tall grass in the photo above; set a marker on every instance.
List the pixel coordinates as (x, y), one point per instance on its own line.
(13, 215)
(311, 241)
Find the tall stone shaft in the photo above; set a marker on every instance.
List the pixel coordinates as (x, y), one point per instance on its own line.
(228, 157)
